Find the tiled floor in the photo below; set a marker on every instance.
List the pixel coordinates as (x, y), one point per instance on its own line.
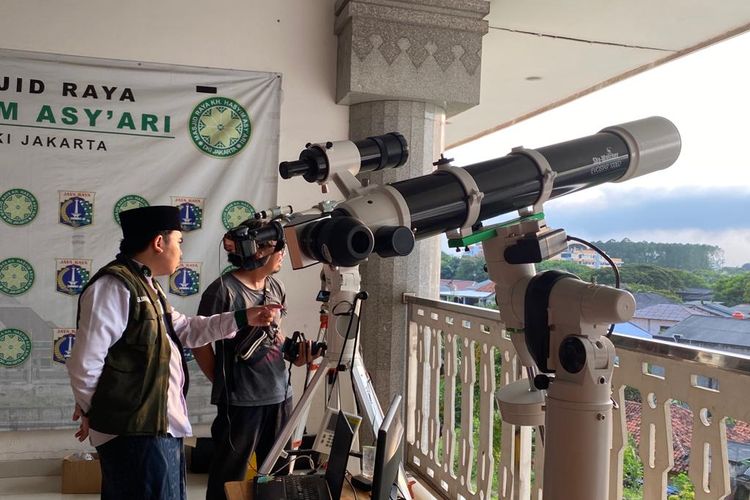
(48, 488)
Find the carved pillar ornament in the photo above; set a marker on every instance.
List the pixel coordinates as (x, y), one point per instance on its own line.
(421, 50)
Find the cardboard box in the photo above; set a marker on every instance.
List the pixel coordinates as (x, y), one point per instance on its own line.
(81, 476)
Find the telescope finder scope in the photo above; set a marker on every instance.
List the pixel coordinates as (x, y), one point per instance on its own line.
(318, 161)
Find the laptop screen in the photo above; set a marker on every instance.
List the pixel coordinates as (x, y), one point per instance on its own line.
(339, 457)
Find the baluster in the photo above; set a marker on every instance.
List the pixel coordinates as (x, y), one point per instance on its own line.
(656, 445)
(449, 412)
(485, 460)
(433, 422)
(468, 379)
(708, 455)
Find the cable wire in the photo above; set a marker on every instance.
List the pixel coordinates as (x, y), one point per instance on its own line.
(290, 462)
(347, 475)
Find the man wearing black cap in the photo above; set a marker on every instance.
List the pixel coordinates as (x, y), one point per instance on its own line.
(128, 370)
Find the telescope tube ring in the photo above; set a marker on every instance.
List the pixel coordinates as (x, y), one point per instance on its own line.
(473, 199)
(548, 178)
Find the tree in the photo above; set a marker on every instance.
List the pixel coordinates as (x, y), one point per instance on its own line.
(448, 265)
(583, 272)
(653, 278)
(471, 268)
(676, 255)
(733, 290)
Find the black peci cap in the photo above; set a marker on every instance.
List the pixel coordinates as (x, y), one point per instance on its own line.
(143, 222)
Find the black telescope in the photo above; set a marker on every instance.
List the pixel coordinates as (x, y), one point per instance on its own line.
(442, 201)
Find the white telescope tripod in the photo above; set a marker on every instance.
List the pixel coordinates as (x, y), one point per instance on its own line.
(344, 301)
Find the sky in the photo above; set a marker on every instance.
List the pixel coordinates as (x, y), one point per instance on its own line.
(703, 198)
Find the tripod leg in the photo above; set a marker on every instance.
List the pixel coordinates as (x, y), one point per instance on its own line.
(365, 393)
(299, 411)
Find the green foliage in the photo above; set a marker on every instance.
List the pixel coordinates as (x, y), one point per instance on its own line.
(632, 394)
(653, 277)
(583, 272)
(632, 467)
(448, 265)
(733, 290)
(677, 255)
(647, 289)
(471, 268)
(686, 490)
(468, 267)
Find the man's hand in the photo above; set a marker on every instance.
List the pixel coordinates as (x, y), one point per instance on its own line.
(305, 355)
(263, 315)
(83, 429)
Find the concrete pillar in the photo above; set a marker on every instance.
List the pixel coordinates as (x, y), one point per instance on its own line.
(403, 66)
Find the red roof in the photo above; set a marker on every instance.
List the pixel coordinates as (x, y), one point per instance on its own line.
(682, 430)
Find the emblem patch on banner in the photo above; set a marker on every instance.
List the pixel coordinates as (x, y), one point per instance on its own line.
(235, 213)
(18, 207)
(16, 276)
(128, 202)
(62, 345)
(191, 212)
(76, 208)
(72, 275)
(220, 127)
(186, 280)
(15, 347)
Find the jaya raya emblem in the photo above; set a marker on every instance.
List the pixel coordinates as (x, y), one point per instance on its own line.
(15, 347)
(191, 216)
(18, 207)
(235, 213)
(185, 281)
(62, 347)
(220, 127)
(72, 276)
(16, 276)
(128, 202)
(75, 211)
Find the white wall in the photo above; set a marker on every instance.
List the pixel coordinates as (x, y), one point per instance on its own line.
(291, 37)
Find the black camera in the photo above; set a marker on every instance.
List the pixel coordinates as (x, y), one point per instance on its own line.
(290, 347)
(242, 242)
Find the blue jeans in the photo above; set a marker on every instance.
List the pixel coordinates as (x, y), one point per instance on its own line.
(143, 468)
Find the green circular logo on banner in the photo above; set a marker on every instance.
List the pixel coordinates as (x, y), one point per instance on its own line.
(18, 207)
(15, 347)
(236, 212)
(220, 127)
(128, 202)
(16, 276)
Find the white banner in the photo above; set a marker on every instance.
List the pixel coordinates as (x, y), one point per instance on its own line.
(82, 139)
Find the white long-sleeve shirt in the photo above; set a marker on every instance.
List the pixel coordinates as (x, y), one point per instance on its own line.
(109, 298)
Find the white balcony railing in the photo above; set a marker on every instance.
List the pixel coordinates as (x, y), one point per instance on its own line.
(460, 355)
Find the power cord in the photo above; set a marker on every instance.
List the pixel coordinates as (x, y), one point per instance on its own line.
(290, 462)
(347, 476)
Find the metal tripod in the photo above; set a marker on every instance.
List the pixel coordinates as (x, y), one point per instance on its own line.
(344, 300)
